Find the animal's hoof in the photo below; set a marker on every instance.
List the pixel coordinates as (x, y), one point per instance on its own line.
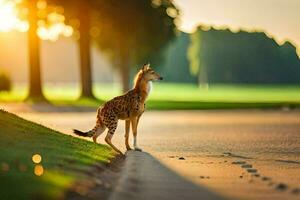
(137, 149)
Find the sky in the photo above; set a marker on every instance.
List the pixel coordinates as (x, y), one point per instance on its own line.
(278, 18)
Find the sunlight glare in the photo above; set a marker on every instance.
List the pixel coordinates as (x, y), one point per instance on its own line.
(55, 28)
(8, 18)
(50, 28)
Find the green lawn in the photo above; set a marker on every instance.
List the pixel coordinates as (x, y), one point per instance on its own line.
(62, 158)
(179, 96)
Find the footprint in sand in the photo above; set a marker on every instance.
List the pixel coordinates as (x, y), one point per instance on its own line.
(204, 177)
(281, 186)
(238, 162)
(265, 178)
(246, 166)
(251, 170)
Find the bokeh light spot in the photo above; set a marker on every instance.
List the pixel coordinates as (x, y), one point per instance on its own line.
(36, 158)
(172, 12)
(38, 170)
(41, 4)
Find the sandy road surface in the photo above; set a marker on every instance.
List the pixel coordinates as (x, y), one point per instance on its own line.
(237, 154)
(144, 177)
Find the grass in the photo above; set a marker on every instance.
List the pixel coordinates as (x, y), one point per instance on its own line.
(62, 158)
(167, 96)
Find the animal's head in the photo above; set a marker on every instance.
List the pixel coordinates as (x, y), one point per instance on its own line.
(149, 74)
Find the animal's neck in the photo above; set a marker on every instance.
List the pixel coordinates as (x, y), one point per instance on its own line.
(144, 88)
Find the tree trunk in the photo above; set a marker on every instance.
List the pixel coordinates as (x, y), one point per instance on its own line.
(35, 83)
(203, 78)
(124, 71)
(84, 49)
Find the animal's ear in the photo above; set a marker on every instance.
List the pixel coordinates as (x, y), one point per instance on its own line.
(146, 67)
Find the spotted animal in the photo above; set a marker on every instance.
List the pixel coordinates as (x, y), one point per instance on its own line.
(128, 107)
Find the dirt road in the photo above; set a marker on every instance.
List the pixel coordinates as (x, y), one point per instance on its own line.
(237, 154)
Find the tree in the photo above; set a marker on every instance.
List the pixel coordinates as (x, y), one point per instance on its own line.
(35, 83)
(242, 57)
(82, 10)
(84, 48)
(130, 31)
(35, 88)
(194, 54)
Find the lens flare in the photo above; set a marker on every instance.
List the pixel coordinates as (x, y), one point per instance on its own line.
(9, 18)
(50, 24)
(36, 158)
(53, 27)
(38, 170)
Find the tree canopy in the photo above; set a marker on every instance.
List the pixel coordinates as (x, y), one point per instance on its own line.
(128, 31)
(232, 57)
(140, 26)
(248, 57)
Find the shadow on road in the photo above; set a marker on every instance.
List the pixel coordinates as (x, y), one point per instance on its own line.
(144, 177)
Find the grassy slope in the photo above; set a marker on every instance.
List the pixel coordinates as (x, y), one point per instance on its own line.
(62, 157)
(180, 96)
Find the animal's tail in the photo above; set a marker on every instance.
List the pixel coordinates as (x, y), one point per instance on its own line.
(99, 128)
(84, 134)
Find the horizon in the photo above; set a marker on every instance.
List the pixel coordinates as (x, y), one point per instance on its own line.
(279, 22)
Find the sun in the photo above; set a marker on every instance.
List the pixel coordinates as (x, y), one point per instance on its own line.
(9, 19)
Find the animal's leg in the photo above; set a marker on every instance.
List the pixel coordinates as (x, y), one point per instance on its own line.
(138, 120)
(98, 129)
(98, 132)
(134, 122)
(110, 133)
(127, 129)
(108, 141)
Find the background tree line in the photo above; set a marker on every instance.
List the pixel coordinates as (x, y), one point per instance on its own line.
(222, 56)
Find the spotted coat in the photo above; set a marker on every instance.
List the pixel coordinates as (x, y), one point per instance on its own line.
(122, 107)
